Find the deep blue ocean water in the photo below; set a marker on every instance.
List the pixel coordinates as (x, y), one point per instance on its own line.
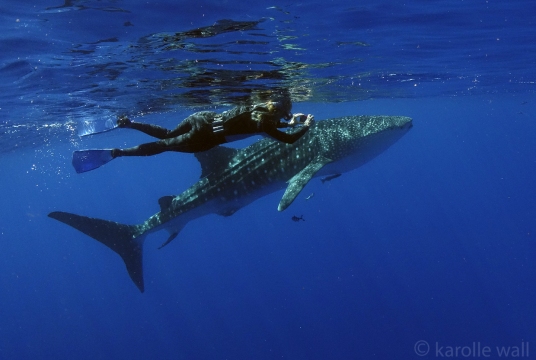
(429, 246)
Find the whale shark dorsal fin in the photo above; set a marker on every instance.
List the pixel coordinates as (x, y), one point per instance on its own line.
(215, 159)
(301, 179)
(165, 202)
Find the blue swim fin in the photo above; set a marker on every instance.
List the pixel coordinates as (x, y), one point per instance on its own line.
(86, 160)
(90, 127)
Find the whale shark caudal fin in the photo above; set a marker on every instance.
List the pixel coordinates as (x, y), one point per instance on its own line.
(86, 160)
(118, 237)
(301, 179)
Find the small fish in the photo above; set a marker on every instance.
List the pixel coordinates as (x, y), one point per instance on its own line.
(330, 177)
(296, 219)
(310, 196)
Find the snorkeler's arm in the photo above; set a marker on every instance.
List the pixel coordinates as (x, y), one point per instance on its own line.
(288, 138)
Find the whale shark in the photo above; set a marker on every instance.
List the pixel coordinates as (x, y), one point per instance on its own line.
(233, 178)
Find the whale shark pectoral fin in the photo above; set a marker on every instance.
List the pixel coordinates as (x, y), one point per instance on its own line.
(298, 181)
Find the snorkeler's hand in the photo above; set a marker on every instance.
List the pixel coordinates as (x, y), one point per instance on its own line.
(299, 117)
(309, 121)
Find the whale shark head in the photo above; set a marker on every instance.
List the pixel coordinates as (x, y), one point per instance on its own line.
(351, 141)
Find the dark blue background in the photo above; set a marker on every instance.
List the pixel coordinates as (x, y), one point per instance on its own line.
(433, 240)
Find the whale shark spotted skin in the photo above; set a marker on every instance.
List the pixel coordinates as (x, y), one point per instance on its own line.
(232, 179)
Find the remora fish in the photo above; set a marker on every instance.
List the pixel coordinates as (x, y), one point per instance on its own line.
(232, 179)
(330, 177)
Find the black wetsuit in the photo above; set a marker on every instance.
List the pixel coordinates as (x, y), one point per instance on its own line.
(206, 129)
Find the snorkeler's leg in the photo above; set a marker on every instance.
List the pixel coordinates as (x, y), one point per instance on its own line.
(182, 143)
(193, 121)
(192, 124)
(184, 127)
(156, 131)
(196, 136)
(147, 149)
(192, 142)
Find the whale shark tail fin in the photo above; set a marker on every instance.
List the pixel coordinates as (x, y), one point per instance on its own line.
(86, 160)
(120, 238)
